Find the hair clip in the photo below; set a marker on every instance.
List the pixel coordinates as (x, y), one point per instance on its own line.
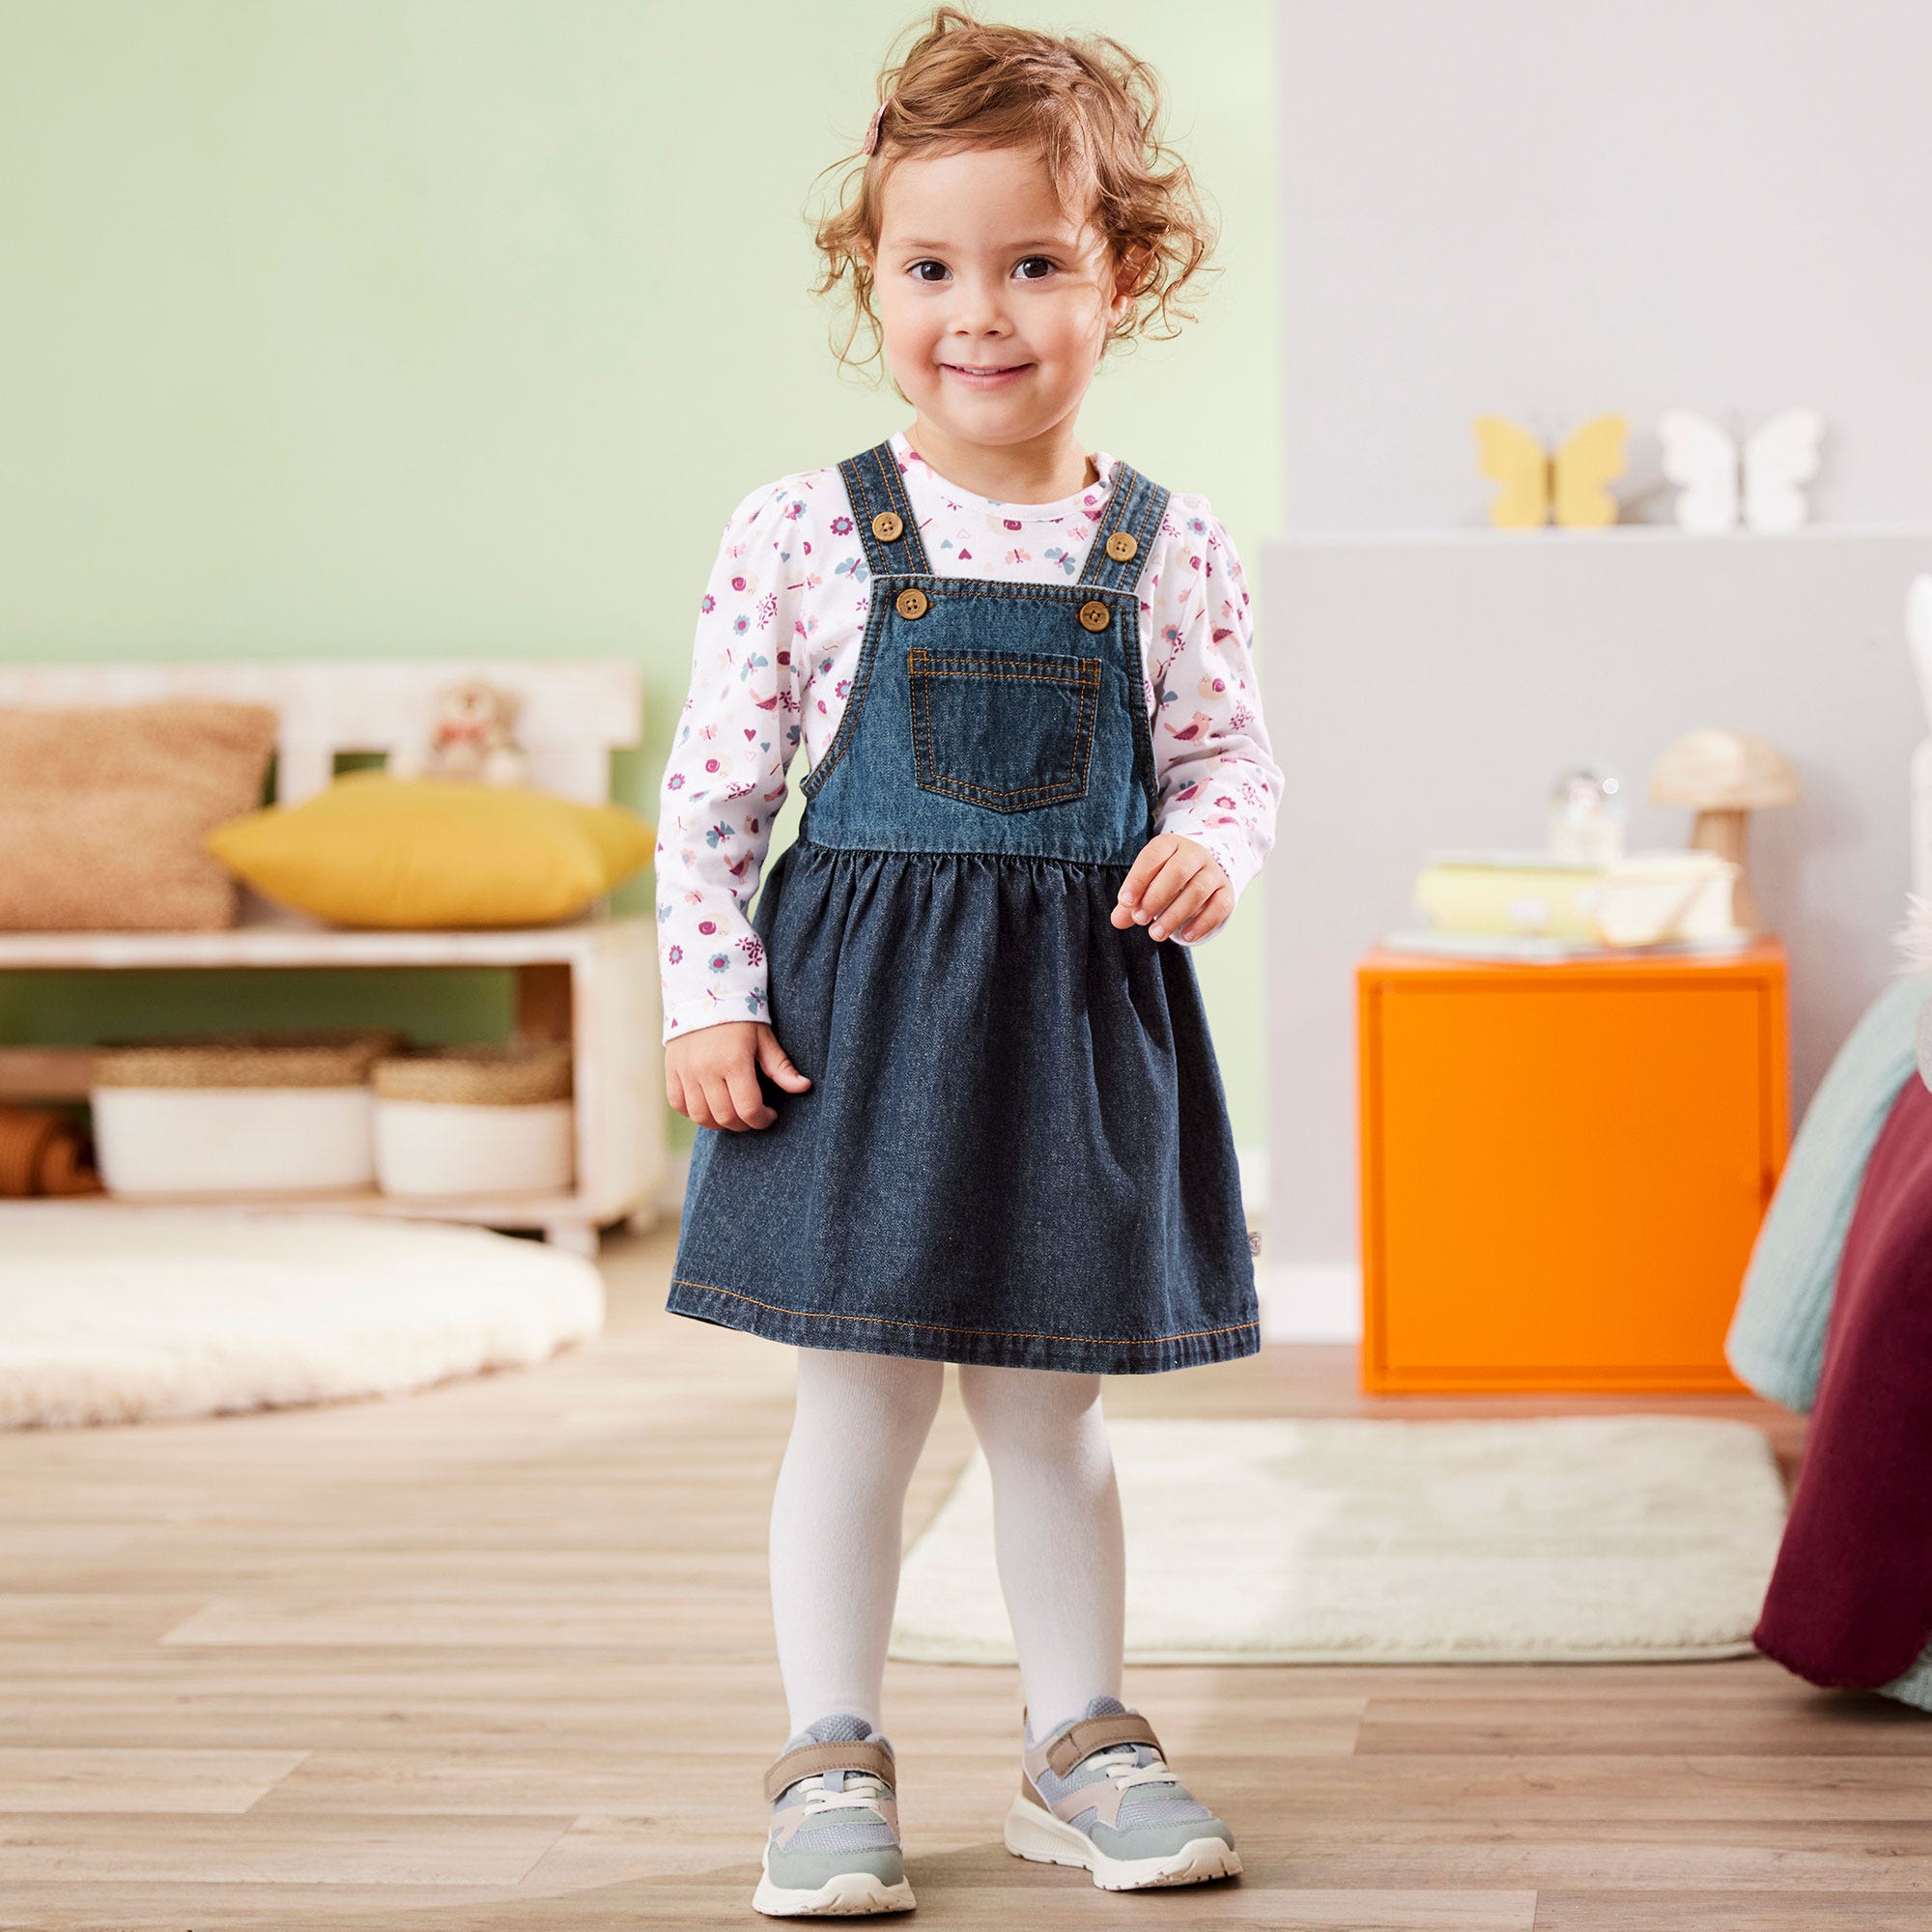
(872, 132)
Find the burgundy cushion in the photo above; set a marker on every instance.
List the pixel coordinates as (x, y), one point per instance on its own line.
(1850, 1602)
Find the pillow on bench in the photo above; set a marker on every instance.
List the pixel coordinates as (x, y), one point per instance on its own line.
(434, 853)
(103, 810)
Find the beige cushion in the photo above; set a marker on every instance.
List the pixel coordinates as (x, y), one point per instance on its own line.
(103, 811)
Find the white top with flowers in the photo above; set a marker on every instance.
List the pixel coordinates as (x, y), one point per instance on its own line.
(778, 631)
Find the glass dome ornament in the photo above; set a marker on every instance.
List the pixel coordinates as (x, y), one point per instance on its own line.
(1587, 815)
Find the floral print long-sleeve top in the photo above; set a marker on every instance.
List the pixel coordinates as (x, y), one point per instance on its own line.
(779, 631)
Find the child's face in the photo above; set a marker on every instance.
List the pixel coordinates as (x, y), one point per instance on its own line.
(979, 267)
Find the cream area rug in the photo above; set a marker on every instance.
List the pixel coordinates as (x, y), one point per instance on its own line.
(125, 1316)
(1575, 1539)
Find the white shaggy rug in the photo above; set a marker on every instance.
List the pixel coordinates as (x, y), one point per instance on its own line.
(1574, 1539)
(134, 1317)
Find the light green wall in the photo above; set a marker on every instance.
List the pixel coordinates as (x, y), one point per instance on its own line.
(408, 327)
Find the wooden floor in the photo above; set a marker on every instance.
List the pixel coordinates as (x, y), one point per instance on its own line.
(499, 1655)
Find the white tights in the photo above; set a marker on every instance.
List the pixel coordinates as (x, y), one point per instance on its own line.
(838, 1511)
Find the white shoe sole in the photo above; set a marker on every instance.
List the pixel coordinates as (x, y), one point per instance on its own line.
(1035, 1834)
(848, 1895)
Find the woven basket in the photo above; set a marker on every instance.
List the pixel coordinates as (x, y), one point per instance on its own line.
(274, 1112)
(285, 1056)
(516, 1075)
(458, 1120)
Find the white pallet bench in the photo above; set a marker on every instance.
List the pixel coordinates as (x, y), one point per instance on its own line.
(592, 982)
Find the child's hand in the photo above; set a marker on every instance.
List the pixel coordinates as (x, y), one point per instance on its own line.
(711, 1076)
(1176, 884)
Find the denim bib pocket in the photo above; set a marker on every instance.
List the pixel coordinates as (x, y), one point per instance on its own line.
(1011, 731)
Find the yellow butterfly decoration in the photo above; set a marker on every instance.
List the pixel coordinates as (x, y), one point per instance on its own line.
(1574, 484)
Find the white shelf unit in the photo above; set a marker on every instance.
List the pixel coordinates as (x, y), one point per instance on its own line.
(592, 982)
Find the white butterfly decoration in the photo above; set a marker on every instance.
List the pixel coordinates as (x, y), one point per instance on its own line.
(1717, 477)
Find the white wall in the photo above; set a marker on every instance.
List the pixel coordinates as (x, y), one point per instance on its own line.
(1548, 208)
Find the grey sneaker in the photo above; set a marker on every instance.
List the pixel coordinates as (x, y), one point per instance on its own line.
(834, 1845)
(1098, 1793)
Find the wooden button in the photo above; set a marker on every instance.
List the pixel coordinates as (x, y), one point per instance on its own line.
(1094, 616)
(885, 526)
(911, 601)
(1121, 546)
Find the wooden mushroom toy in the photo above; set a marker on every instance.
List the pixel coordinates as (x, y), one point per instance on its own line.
(1723, 775)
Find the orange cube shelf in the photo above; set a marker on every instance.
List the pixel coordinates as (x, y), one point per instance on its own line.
(1564, 1165)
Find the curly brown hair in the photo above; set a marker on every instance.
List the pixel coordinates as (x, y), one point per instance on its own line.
(1088, 106)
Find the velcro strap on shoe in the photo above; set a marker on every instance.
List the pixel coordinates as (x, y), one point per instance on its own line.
(1091, 1734)
(809, 1760)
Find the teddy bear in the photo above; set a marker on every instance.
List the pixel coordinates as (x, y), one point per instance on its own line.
(472, 736)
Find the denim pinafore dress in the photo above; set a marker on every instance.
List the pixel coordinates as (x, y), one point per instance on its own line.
(1015, 1148)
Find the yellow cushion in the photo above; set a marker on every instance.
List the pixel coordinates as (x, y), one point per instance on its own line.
(429, 853)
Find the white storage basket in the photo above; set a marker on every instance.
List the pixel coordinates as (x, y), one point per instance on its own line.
(463, 1121)
(284, 1112)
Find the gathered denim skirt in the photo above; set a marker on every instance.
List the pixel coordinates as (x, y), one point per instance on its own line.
(1015, 1148)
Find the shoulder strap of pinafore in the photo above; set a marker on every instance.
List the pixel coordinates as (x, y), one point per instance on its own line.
(1123, 539)
(883, 512)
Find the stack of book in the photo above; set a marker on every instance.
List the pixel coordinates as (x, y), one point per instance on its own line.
(1532, 906)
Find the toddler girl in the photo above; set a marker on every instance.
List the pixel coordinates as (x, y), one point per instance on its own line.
(995, 1132)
